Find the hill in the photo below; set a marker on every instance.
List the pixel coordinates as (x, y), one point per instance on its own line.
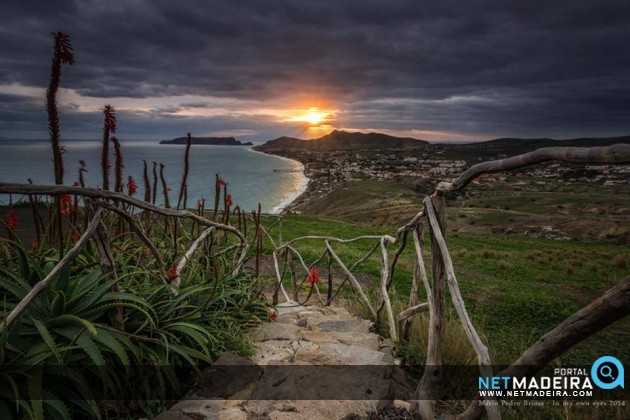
(342, 140)
(213, 141)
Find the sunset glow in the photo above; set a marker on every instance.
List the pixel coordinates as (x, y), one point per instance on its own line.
(314, 117)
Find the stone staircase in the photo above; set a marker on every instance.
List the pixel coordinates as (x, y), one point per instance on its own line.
(311, 363)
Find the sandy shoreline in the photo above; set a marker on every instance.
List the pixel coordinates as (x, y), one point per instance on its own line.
(295, 197)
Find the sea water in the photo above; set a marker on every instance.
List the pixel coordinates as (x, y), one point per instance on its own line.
(250, 175)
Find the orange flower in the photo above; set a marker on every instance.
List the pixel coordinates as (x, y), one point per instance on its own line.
(313, 276)
(11, 219)
(171, 273)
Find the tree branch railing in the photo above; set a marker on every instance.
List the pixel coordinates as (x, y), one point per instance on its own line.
(434, 215)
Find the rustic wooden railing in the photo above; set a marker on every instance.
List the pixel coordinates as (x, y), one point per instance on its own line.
(599, 314)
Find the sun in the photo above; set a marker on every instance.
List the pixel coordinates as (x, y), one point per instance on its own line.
(313, 116)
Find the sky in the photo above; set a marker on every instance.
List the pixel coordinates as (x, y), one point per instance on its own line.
(260, 69)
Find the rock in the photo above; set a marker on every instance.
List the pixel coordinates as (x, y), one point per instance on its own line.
(227, 375)
(276, 331)
(272, 352)
(205, 408)
(388, 347)
(290, 382)
(311, 409)
(401, 405)
(339, 354)
(355, 325)
(289, 307)
(368, 341)
(172, 415)
(232, 414)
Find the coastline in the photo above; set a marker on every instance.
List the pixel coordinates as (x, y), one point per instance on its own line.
(293, 199)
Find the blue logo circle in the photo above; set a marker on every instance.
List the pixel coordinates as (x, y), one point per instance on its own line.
(603, 374)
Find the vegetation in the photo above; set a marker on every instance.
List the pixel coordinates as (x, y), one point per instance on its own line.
(62, 358)
(124, 323)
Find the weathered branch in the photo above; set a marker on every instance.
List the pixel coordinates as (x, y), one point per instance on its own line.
(50, 278)
(419, 274)
(483, 356)
(618, 153)
(188, 255)
(353, 281)
(333, 239)
(139, 231)
(426, 389)
(384, 295)
(55, 190)
(276, 267)
(409, 312)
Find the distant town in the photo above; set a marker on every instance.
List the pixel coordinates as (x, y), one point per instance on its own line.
(327, 169)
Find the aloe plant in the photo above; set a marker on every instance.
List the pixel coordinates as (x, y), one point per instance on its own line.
(62, 358)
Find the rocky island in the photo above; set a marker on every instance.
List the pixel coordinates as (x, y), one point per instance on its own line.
(212, 141)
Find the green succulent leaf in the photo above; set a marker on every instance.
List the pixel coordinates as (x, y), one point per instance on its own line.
(50, 342)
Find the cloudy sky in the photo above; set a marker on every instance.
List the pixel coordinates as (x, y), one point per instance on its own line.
(436, 70)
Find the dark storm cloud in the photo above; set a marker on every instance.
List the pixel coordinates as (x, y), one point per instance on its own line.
(523, 67)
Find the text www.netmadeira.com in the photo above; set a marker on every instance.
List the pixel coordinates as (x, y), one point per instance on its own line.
(535, 393)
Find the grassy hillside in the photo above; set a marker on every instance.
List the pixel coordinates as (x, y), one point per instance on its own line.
(583, 211)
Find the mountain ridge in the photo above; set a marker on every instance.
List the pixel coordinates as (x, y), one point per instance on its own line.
(343, 140)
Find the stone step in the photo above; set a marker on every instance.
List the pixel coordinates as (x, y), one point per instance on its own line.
(324, 354)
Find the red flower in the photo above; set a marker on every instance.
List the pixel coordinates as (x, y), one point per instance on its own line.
(272, 314)
(64, 48)
(35, 243)
(11, 219)
(171, 273)
(75, 236)
(221, 181)
(131, 185)
(313, 276)
(228, 200)
(110, 118)
(67, 206)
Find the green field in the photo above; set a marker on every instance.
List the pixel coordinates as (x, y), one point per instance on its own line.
(516, 288)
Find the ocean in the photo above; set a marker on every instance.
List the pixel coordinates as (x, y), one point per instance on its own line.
(250, 174)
